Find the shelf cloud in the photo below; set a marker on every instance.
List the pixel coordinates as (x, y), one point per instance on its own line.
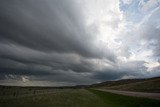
(57, 43)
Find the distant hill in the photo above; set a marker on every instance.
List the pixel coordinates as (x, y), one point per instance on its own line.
(143, 85)
(115, 83)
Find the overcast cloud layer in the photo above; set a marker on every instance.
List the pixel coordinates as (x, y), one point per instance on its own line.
(71, 42)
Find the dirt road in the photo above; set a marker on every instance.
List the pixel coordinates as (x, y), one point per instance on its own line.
(135, 94)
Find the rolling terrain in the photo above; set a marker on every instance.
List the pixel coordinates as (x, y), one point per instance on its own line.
(82, 96)
(138, 85)
(44, 97)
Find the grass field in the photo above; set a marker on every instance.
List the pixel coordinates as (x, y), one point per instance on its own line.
(139, 85)
(114, 100)
(151, 85)
(59, 98)
(69, 98)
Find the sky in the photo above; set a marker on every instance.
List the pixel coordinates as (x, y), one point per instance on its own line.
(78, 42)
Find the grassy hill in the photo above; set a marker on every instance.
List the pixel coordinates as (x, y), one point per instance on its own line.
(81, 96)
(44, 97)
(115, 83)
(142, 85)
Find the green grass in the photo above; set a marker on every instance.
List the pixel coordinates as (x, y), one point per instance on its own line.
(60, 98)
(145, 86)
(70, 98)
(115, 100)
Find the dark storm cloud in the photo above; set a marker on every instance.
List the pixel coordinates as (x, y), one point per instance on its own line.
(44, 36)
(12, 56)
(132, 69)
(49, 26)
(49, 40)
(109, 74)
(21, 72)
(46, 26)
